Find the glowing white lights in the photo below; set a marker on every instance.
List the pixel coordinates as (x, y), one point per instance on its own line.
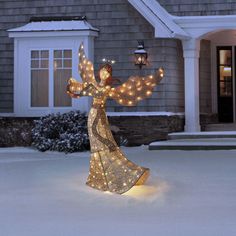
(105, 60)
(110, 170)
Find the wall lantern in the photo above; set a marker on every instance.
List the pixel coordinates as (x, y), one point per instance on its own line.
(140, 55)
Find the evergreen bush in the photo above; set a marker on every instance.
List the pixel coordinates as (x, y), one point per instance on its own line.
(65, 132)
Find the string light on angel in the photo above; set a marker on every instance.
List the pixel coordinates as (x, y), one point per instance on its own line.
(110, 170)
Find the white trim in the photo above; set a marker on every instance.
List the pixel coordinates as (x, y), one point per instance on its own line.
(233, 78)
(200, 26)
(159, 18)
(223, 38)
(137, 113)
(16, 69)
(5, 114)
(48, 40)
(191, 84)
(182, 27)
(52, 34)
(55, 25)
(50, 77)
(204, 133)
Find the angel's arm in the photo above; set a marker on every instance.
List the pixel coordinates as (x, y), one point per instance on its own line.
(76, 89)
(136, 88)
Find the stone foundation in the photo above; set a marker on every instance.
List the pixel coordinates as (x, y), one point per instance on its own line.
(206, 119)
(138, 130)
(15, 131)
(127, 130)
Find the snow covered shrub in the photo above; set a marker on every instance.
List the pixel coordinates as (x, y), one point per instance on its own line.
(61, 132)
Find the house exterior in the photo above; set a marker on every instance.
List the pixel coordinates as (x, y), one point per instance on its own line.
(194, 41)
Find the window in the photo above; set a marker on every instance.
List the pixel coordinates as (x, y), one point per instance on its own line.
(62, 63)
(225, 83)
(225, 68)
(41, 79)
(45, 57)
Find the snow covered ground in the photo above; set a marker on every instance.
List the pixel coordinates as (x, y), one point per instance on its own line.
(189, 193)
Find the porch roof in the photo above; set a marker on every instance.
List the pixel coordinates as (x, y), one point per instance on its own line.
(199, 26)
(182, 27)
(162, 21)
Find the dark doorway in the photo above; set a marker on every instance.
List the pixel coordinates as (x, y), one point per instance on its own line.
(225, 84)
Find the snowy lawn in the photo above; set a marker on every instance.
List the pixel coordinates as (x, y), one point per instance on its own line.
(189, 193)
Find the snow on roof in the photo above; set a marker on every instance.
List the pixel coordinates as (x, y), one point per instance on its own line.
(63, 25)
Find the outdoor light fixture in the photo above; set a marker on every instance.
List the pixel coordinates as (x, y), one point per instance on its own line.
(140, 55)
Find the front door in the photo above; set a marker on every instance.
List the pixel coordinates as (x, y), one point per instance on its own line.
(225, 83)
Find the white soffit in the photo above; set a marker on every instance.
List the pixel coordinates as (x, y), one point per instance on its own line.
(159, 18)
(182, 27)
(199, 26)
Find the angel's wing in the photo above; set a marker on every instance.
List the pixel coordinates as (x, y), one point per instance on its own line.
(136, 88)
(86, 69)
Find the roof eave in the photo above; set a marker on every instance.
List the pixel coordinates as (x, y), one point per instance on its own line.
(159, 18)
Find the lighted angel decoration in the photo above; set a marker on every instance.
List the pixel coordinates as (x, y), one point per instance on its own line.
(110, 170)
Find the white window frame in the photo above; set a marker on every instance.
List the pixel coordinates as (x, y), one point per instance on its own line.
(24, 43)
(51, 78)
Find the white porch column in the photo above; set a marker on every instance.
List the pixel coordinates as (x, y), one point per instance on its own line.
(191, 49)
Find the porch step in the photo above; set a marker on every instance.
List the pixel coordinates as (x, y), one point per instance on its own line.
(195, 144)
(221, 127)
(202, 135)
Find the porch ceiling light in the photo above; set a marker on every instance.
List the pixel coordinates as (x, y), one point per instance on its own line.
(140, 55)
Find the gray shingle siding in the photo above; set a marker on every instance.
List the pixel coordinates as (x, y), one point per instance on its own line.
(205, 77)
(120, 27)
(199, 7)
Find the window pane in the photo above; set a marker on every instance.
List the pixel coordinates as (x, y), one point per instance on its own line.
(62, 72)
(34, 63)
(39, 78)
(44, 64)
(225, 81)
(57, 64)
(39, 88)
(225, 57)
(44, 54)
(68, 63)
(67, 53)
(34, 54)
(61, 98)
(57, 53)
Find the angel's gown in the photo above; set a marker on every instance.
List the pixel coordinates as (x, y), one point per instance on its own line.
(110, 170)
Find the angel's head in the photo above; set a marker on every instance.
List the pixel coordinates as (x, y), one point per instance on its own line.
(105, 74)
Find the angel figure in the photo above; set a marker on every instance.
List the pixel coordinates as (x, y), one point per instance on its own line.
(110, 170)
